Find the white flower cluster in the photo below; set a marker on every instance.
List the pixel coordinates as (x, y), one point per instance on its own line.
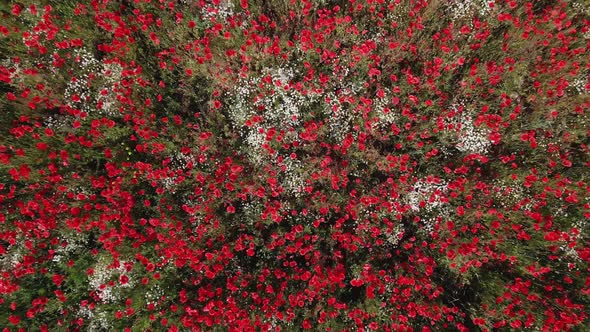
(347, 84)
(434, 209)
(300, 218)
(255, 153)
(14, 68)
(395, 235)
(580, 7)
(582, 225)
(273, 323)
(178, 164)
(13, 254)
(80, 86)
(81, 189)
(103, 274)
(98, 320)
(85, 59)
(153, 294)
(57, 121)
(74, 241)
(398, 14)
(219, 13)
(580, 82)
(569, 253)
(386, 117)
(89, 97)
(251, 212)
(508, 195)
(463, 8)
(240, 110)
(470, 139)
(427, 191)
(340, 121)
(169, 183)
(281, 109)
(292, 180)
(430, 220)
(112, 74)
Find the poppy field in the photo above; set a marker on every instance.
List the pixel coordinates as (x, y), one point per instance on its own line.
(288, 165)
